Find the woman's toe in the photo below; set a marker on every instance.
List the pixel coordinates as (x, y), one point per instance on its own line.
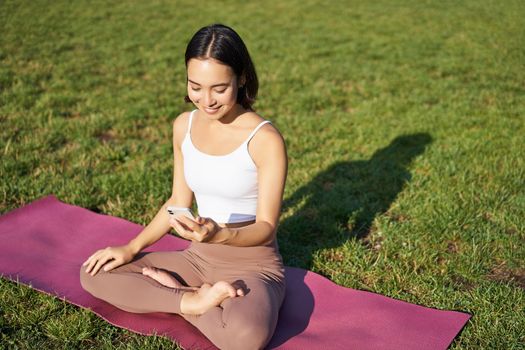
(147, 271)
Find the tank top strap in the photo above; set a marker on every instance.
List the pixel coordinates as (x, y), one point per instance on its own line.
(189, 121)
(256, 129)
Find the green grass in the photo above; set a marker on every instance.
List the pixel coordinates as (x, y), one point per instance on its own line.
(404, 122)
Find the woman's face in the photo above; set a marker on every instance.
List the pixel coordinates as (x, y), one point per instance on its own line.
(212, 87)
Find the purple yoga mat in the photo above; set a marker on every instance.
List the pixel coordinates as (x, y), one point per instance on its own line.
(44, 243)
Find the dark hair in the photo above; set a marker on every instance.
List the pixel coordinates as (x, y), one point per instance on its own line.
(222, 43)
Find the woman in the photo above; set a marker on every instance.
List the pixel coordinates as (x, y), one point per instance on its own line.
(230, 282)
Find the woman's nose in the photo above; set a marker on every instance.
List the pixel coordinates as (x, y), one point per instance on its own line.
(209, 101)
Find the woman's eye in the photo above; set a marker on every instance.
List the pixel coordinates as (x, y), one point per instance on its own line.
(195, 89)
(220, 91)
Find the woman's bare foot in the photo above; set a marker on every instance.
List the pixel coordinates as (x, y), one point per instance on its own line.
(206, 297)
(162, 277)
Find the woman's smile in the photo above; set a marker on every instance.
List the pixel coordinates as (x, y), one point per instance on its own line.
(211, 110)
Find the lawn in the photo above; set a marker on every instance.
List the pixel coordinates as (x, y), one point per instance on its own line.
(404, 122)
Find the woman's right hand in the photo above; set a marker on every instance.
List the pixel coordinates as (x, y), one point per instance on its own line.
(116, 256)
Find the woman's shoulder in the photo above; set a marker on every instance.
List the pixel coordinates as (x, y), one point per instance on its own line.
(267, 139)
(180, 126)
(253, 120)
(181, 121)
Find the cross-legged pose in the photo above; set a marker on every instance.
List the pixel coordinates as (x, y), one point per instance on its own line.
(230, 282)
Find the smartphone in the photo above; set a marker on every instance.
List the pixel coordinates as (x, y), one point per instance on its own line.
(174, 212)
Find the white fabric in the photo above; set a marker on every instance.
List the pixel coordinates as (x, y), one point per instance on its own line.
(225, 186)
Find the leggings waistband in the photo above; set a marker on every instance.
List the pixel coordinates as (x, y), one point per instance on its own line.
(227, 253)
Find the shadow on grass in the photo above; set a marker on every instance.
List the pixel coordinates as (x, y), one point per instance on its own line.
(341, 202)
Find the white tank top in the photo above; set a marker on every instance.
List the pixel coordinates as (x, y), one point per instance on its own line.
(225, 186)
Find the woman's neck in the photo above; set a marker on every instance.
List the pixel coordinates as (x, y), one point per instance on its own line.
(228, 118)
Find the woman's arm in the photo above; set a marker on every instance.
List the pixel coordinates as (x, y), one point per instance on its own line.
(268, 151)
(181, 196)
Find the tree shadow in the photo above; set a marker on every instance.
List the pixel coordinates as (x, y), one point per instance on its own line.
(341, 202)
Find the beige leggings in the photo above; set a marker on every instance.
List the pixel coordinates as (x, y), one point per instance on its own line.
(246, 322)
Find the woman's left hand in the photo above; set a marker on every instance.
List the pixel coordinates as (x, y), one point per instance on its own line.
(198, 230)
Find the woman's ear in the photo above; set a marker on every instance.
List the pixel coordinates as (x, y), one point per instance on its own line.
(242, 81)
